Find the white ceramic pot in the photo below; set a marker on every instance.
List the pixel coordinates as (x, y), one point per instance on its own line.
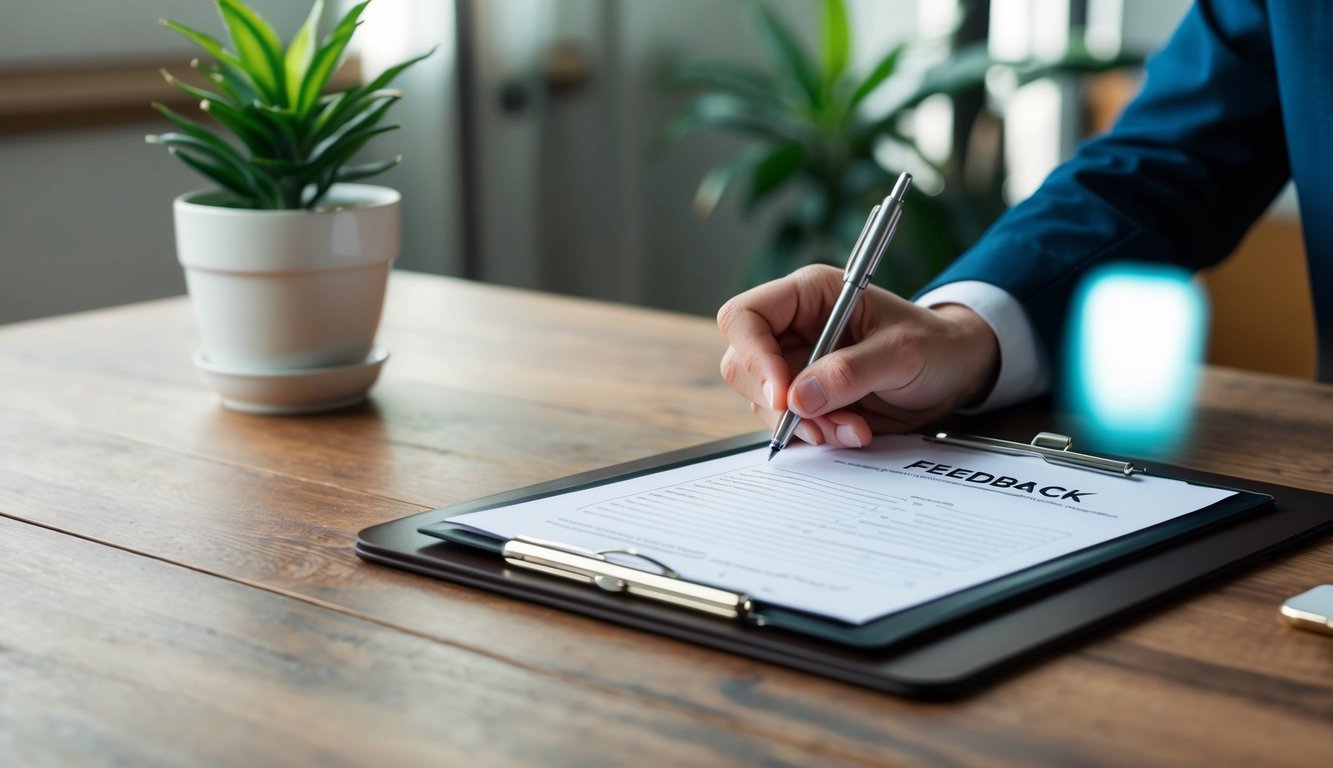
(289, 290)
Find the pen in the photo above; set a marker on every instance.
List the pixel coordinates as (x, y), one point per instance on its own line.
(866, 255)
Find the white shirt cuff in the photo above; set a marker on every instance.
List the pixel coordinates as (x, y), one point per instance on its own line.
(1024, 372)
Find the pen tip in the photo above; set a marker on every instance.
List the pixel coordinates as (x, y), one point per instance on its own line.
(771, 453)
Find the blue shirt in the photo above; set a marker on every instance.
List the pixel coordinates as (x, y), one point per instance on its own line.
(1238, 102)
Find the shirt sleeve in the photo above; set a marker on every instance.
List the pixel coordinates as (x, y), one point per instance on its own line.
(1024, 372)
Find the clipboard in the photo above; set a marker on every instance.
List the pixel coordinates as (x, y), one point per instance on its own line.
(942, 649)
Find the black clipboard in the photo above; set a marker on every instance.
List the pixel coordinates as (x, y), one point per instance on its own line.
(945, 648)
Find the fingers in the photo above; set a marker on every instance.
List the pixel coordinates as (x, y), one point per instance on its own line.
(744, 377)
(884, 364)
(806, 431)
(845, 429)
(908, 364)
(850, 430)
(884, 356)
(758, 321)
(753, 364)
(800, 301)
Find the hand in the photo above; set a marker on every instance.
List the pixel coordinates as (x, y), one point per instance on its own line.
(901, 367)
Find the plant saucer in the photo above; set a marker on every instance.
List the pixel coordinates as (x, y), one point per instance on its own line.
(294, 391)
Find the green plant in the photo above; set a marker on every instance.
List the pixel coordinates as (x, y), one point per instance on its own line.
(814, 144)
(293, 141)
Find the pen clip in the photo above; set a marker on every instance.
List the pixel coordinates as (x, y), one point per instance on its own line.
(593, 568)
(876, 236)
(858, 250)
(1050, 446)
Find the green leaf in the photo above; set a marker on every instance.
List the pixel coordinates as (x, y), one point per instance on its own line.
(198, 132)
(302, 50)
(837, 43)
(282, 125)
(962, 71)
(340, 151)
(233, 84)
(342, 105)
(786, 52)
(364, 120)
(251, 132)
(720, 178)
(219, 173)
(884, 69)
(223, 155)
(367, 114)
(331, 110)
(327, 59)
(327, 168)
(724, 112)
(774, 170)
(347, 107)
(388, 75)
(190, 90)
(358, 172)
(258, 47)
(740, 81)
(209, 43)
(279, 168)
(789, 249)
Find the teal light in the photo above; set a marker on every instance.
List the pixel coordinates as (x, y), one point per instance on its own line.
(1136, 349)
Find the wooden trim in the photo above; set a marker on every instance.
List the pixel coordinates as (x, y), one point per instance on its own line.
(1262, 311)
(1105, 96)
(92, 94)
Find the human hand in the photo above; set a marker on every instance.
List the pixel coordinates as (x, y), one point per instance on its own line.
(903, 366)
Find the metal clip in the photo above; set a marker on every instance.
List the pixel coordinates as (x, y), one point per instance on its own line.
(1051, 446)
(594, 568)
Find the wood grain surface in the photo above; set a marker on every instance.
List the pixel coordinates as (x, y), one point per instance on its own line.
(136, 662)
(140, 509)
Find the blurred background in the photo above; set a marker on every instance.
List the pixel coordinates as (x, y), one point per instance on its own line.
(561, 144)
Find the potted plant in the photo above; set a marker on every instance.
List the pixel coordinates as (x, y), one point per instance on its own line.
(286, 259)
(818, 131)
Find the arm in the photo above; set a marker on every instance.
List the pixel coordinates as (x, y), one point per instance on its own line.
(1196, 157)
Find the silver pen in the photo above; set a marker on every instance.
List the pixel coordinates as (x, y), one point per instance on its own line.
(861, 265)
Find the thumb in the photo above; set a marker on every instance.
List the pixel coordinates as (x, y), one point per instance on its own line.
(847, 375)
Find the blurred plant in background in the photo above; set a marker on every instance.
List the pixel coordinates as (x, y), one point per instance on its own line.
(818, 133)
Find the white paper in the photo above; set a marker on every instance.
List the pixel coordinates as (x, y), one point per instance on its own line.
(852, 534)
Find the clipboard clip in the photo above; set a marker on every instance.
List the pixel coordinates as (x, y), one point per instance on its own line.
(1051, 446)
(594, 568)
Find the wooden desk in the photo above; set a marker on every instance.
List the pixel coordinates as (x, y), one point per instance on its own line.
(178, 583)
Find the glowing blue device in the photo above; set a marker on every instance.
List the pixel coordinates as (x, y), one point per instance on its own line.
(1135, 352)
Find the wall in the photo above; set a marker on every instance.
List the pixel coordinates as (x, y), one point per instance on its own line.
(43, 31)
(86, 221)
(86, 213)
